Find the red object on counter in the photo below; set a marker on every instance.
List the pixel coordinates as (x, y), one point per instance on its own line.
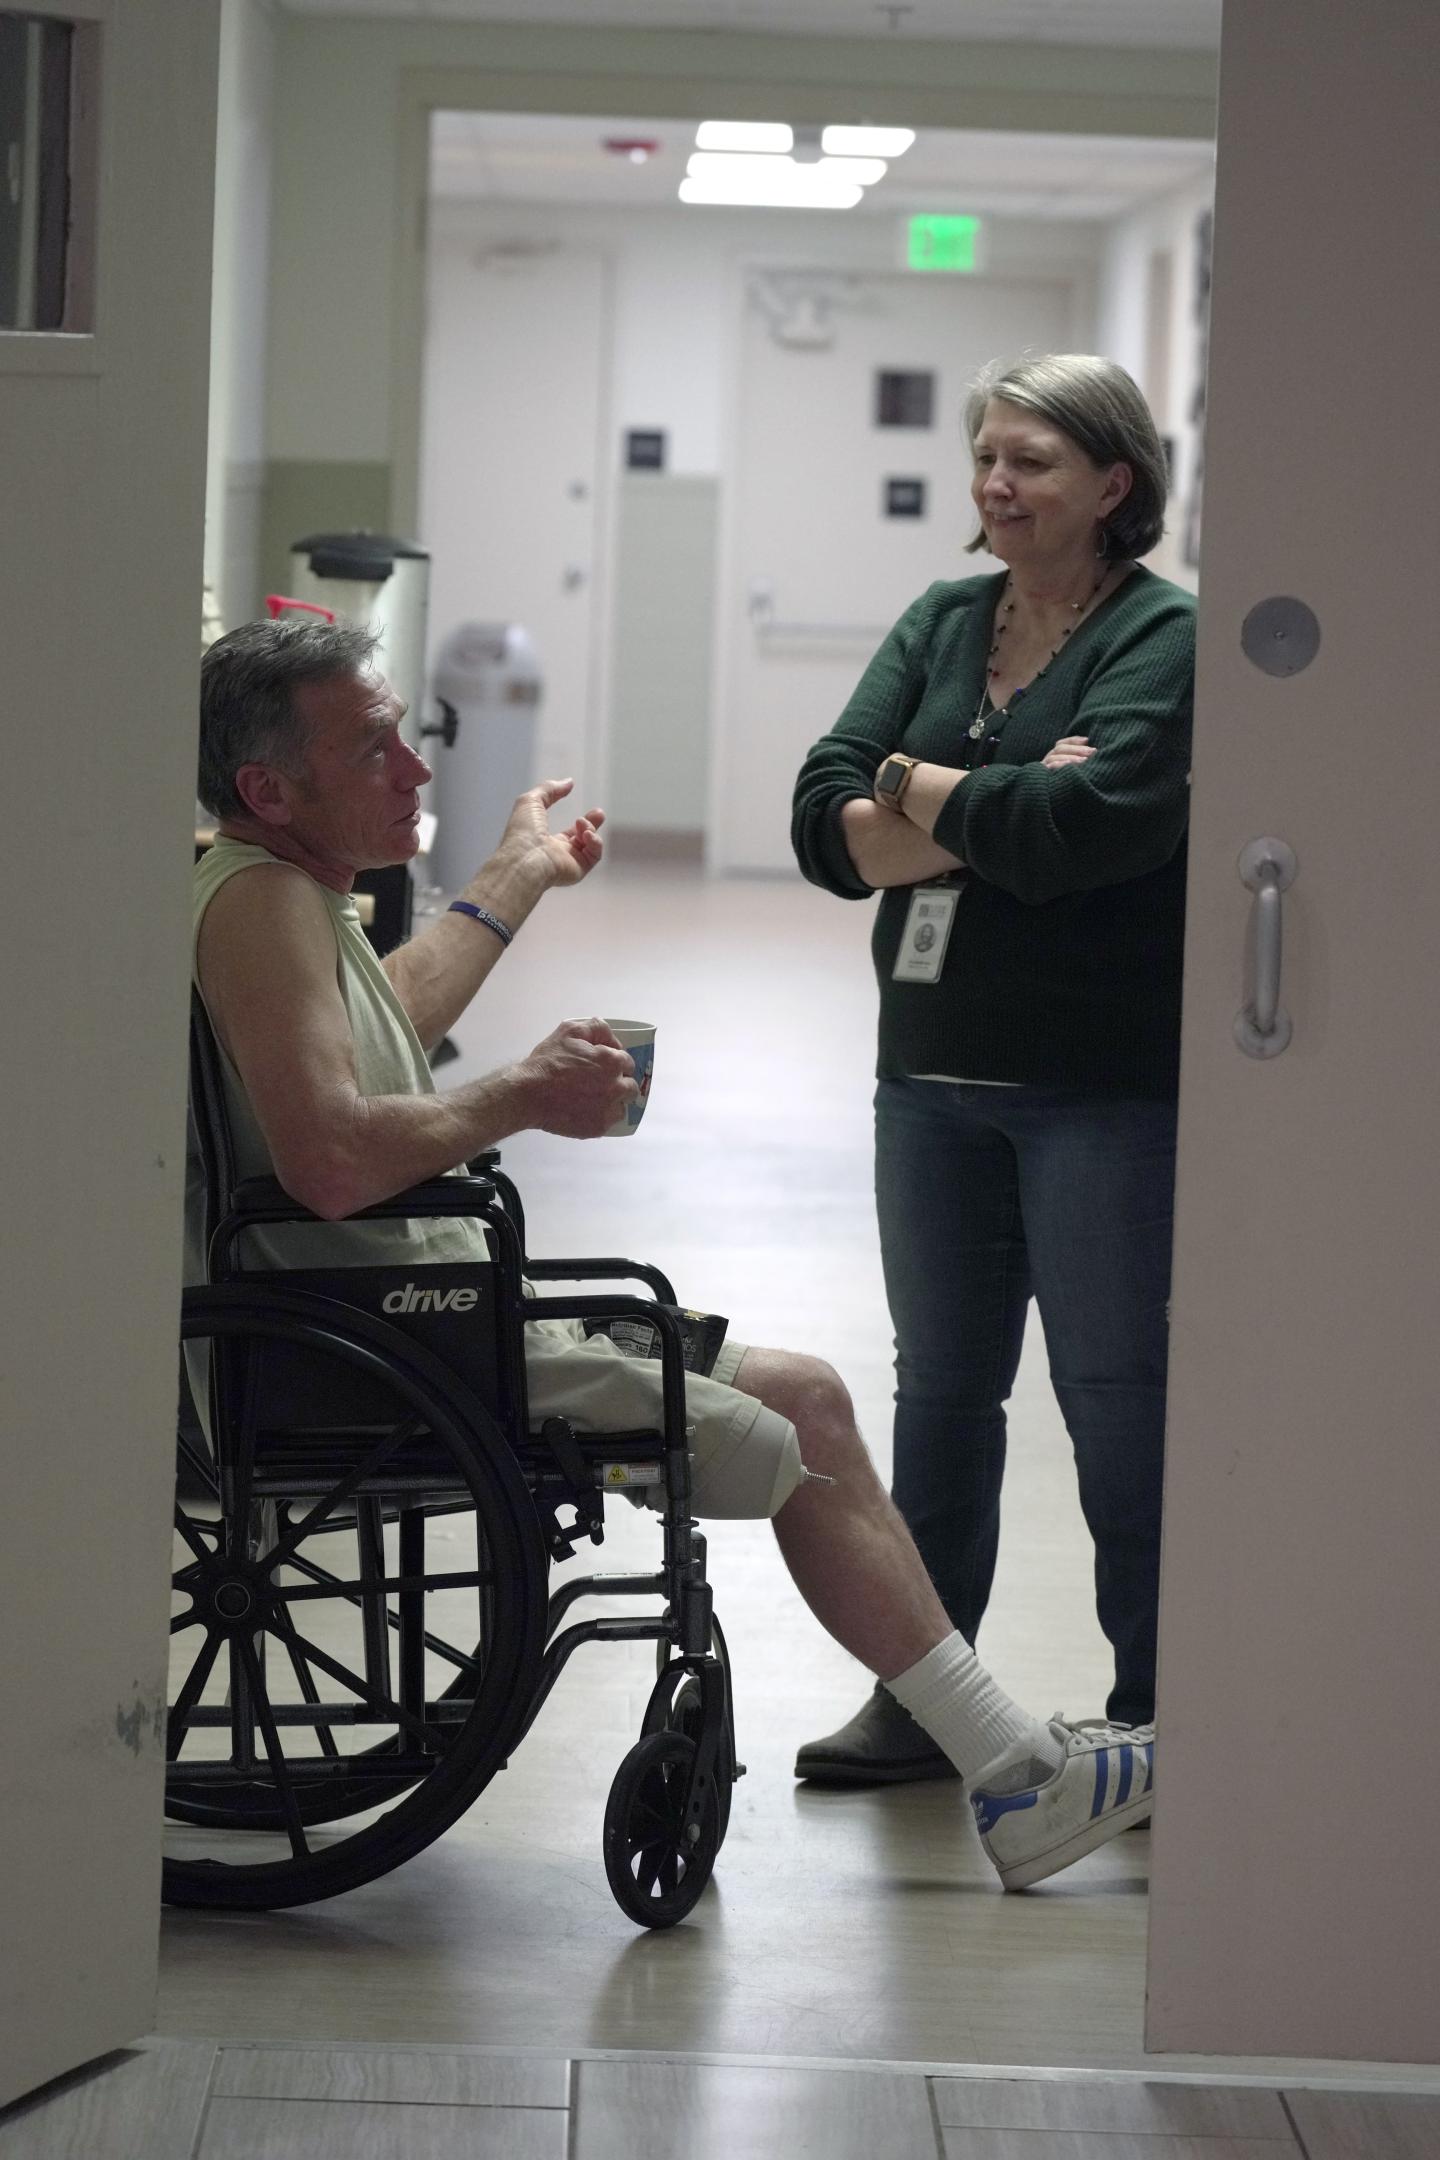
(277, 604)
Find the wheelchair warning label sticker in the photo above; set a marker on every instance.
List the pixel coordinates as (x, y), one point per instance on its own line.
(630, 1473)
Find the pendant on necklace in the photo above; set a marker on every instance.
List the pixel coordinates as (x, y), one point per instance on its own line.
(976, 728)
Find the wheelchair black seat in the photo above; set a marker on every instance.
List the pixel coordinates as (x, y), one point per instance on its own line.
(450, 1310)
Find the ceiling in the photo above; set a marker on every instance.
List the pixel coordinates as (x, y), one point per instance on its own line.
(1170, 25)
(535, 157)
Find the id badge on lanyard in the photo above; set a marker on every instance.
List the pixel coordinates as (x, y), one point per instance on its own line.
(927, 933)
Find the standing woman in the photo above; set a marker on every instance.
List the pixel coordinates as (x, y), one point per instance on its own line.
(1011, 775)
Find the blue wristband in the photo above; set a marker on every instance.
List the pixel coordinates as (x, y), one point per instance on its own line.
(481, 915)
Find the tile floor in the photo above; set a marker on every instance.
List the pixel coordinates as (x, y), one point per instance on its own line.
(189, 2100)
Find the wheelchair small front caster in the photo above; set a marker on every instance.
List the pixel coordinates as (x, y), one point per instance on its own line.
(656, 1862)
(678, 1709)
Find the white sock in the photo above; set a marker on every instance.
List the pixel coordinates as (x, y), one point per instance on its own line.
(973, 1720)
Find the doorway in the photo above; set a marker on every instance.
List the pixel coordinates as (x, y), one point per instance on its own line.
(513, 483)
(782, 1236)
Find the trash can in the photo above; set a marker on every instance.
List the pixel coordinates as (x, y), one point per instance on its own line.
(488, 676)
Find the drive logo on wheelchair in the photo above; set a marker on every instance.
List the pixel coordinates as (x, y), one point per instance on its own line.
(411, 1298)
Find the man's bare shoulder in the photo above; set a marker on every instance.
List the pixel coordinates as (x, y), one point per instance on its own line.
(266, 956)
(262, 903)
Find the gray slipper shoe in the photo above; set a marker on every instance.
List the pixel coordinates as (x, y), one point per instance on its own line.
(881, 1745)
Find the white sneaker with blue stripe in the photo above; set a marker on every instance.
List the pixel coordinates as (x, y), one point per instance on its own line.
(1104, 1785)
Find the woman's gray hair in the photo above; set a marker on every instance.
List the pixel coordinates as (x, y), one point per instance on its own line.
(1103, 411)
(248, 681)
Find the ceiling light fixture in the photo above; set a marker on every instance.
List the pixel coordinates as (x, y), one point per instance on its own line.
(756, 182)
(769, 136)
(785, 172)
(736, 196)
(881, 142)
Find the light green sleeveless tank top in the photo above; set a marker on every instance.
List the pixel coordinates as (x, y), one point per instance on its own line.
(388, 1061)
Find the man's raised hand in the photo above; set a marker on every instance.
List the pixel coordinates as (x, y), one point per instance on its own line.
(569, 855)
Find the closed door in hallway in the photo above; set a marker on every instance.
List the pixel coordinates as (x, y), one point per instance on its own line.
(515, 373)
(1293, 1891)
(851, 496)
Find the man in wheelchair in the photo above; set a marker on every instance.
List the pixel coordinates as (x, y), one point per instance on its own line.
(328, 1088)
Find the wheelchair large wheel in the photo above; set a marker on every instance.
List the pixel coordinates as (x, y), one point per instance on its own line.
(239, 1803)
(331, 1665)
(656, 1862)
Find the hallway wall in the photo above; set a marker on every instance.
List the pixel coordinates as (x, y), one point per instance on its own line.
(677, 289)
(320, 224)
(677, 305)
(1157, 247)
(348, 236)
(240, 305)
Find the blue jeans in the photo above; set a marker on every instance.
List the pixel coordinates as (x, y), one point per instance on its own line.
(986, 1196)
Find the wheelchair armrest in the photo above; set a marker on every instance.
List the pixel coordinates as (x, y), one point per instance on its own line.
(436, 1196)
(603, 1271)
(264, 1200)
(672, 1350)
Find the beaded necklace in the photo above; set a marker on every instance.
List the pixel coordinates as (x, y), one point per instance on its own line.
(1079, 608)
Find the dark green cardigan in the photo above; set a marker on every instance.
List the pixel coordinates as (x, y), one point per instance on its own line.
(1063, 968)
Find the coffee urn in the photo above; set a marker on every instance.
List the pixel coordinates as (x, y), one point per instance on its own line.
(381, 584)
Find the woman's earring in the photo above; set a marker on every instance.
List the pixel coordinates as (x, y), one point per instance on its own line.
(1102, 543)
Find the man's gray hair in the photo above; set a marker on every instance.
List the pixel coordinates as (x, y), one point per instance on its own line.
(1103, 411)
(248, 716)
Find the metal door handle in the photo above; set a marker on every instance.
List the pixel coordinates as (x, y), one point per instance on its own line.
(1267, 867)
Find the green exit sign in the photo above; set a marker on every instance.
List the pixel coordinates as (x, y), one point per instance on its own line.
(943, 243)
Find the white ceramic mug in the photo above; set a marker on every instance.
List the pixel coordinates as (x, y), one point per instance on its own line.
(638, 1037)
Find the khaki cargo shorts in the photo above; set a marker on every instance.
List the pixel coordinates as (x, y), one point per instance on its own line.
(745, 1458)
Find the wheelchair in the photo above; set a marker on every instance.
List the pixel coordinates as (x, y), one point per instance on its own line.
(362, 1630)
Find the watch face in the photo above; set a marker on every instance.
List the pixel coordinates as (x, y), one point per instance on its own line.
(892, 772)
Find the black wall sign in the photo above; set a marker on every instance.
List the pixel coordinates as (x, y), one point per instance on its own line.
(905, 498)
(904, 397)
(645, 450)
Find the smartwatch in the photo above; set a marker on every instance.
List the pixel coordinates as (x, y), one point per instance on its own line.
(893, 778)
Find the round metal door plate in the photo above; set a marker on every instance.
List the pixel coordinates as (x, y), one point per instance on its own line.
(1267, 859)
(1280, 636)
